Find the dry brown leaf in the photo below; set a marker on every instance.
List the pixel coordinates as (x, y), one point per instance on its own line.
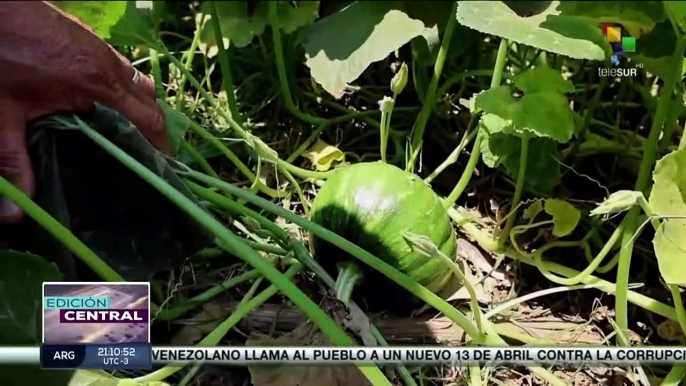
(289, 375)
(202, 323)
(474, 255)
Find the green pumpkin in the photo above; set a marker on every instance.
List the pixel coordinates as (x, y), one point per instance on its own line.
(373, 205)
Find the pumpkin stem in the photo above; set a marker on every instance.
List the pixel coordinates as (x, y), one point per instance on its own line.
(349, 274)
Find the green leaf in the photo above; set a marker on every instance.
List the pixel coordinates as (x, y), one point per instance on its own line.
(498, 148)
(637, 17)
(677, 11)
(617, 202)
(668, 196)
(21, 314)
(239, 27)
(291, 18)
(340, 47)
(101, 16)
(124, 23)
(177, 124)
(22, 276)
(670, 249)
(543, 110)
(533, 210)
(567, 35)
(565, 216)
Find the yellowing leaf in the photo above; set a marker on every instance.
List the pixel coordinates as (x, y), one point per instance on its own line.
(322, 155)
(565, 216)
(617, 202)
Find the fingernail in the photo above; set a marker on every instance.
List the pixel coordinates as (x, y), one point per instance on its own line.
(8, 208)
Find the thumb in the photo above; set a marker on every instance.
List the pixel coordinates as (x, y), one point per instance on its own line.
(15, 165)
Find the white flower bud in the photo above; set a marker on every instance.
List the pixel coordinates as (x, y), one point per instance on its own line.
(399, 81)
(386, 104)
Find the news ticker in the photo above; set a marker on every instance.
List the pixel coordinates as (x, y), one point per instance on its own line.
(240, 356)
(96, 326)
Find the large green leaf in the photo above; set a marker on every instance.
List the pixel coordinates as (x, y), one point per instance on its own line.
(239, 27)
(500, 148)
(668, 198)
(21, 314)
(637, 17)
(118, 22)
(677, 12)
(340, 47)
(543, 110)
(566, 35)
(101, 16)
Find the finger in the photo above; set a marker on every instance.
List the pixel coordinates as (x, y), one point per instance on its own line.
(15, 165)
(142, 86)
(147, 116)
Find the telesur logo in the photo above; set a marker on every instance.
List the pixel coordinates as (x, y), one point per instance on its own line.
(620, 45)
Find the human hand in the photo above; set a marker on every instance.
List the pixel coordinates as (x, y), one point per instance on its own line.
(50, 62)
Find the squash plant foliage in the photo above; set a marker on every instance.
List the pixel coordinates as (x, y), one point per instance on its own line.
(530, 123)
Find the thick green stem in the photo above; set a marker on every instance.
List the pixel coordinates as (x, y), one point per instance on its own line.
(519, 188)
(476, 149)
(675, 376)
(198, 158)
(223, 57)
(58, 231)
(588, 117)
(349, 274)
(190, 54)
(430, 98)
(595, 262)
(237, 161)
(281, 68)
(156, 72)
(335, 334)
(452, 158)
(642, 181)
